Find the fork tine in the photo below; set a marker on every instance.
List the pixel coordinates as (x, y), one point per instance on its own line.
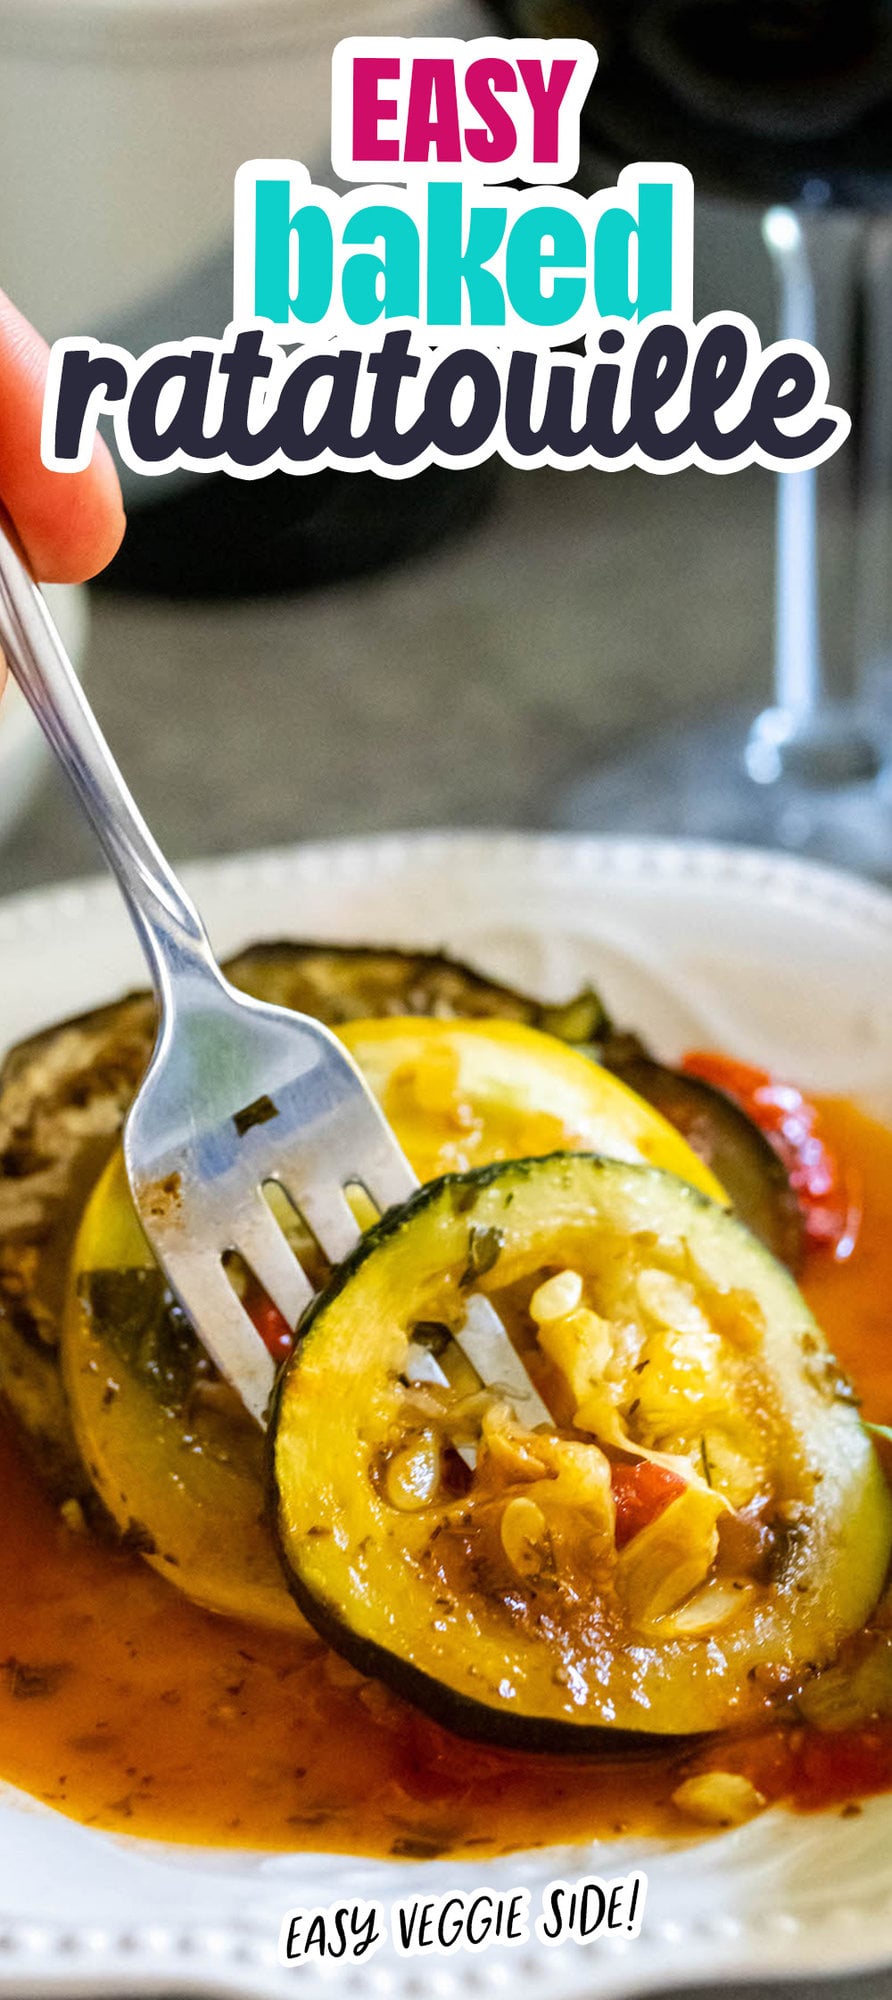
(328, 1213)
(228, 1333)
(198, 1165)
(258, 1238)
(387, 1177)
(484, 1342)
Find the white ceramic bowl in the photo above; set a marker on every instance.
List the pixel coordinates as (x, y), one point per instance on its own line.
(23, 752)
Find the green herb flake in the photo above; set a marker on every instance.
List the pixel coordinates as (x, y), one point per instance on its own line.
(485, 1247)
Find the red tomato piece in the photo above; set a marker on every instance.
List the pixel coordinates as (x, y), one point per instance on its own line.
(641, 1492)
(272, 1327)
(792, 1124)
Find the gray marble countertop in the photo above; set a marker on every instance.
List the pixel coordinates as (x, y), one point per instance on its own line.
(463, 689)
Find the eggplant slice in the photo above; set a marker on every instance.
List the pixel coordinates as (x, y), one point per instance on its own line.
(64, 1094)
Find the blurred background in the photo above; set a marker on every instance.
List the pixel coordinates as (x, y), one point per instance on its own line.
(338, 654)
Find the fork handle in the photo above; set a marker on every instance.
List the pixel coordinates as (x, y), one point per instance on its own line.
(170, 930)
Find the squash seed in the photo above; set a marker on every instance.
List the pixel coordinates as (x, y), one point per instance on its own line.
(556, 1297)
(413, 1474)
(719, 1798)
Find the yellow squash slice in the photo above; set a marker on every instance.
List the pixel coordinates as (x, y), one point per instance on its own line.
(170, 1452)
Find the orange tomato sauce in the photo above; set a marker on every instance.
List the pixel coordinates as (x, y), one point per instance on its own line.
(126, 1707)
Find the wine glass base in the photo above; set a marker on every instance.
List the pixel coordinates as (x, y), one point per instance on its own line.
(691, 781)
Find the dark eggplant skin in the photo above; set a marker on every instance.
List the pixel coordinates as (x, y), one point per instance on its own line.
(340, 983)
(731, 1144)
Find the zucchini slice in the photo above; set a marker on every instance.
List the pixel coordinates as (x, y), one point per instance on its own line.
(527, 1601)
(170, 1452)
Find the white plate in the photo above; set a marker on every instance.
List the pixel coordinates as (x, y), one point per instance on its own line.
(767, 956)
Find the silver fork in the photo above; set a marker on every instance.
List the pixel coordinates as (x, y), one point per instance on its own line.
(238, 1095)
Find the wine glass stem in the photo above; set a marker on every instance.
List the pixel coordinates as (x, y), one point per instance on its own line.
(798, 665)
(873, 518)
(805, 739)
